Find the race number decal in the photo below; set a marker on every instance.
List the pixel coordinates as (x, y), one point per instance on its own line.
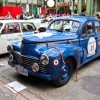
(91, 46)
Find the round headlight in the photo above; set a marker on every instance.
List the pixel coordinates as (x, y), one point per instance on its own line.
(35, 67)
(44, 59)
(9, 48)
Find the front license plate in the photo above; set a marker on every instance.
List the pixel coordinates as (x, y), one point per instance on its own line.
(20, 69)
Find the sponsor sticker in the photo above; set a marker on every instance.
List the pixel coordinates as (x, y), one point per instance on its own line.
(99, 43)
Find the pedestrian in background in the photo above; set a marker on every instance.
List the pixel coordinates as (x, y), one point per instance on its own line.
(17, 16)
(9, 15)
(83, 13)
(96, 16)
(75, 12)
(21, 16)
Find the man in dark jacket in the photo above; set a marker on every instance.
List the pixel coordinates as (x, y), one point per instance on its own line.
(21, 16)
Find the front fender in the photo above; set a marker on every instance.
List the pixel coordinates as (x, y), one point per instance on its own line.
(16, 46)
(66, 51)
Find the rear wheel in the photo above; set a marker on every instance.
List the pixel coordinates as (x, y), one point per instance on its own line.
(65, 73)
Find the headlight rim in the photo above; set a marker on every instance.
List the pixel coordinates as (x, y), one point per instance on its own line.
(42, 60)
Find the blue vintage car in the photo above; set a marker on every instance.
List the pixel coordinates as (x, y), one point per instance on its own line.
(68, 43)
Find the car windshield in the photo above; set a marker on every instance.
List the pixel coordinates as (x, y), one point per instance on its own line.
(65, 25)
(28, 27)
(1, 25)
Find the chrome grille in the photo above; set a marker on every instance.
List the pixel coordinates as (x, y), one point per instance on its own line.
(28, 62)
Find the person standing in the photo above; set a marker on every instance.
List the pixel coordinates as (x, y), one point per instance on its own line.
(21, 16)
(9, 15)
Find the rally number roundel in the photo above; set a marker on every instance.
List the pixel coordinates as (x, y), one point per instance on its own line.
(91, 46)
(55, 62)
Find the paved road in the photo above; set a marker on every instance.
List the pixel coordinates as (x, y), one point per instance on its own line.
(87, 87)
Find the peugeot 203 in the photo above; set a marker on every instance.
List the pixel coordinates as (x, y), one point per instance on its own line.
(67, 44)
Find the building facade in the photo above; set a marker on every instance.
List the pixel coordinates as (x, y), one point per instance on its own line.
(60, 7)
(32, 6)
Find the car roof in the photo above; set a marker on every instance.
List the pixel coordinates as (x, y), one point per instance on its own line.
(79, 18)
(15, 21)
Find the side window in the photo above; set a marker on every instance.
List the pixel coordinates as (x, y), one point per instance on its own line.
(27, 27)
(14, 28)
(5, 30)
(11, 28)
(97, 27)
(88, 28)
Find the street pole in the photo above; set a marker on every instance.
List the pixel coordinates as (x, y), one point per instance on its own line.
(79, 7)
(3, 2)
(20, 3)
(27, 7)
(92, 11)
(72, 11)
(32, 7)
(16, 3)
(88, 7)
(7, 2)
(56, 6)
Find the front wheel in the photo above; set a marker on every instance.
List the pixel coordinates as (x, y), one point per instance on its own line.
(65, 73)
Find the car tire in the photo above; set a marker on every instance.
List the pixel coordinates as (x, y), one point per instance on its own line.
(65, 73)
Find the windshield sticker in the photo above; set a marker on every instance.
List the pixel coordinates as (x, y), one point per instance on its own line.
(42, 35)
(91, 46)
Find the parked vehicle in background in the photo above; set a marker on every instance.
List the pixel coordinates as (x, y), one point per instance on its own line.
(36, 22)
(68, 43)
(42, 22)
(46, 21)
(14, 30)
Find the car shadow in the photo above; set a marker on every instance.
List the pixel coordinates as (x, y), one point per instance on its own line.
(35, 81)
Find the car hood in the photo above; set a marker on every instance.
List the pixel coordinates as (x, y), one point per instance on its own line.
(49, 36)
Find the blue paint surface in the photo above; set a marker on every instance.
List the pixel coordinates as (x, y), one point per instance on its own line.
(35, 45)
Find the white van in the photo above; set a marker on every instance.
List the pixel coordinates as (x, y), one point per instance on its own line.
(13, 30)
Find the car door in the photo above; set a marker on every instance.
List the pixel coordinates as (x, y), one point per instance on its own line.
(97, 31)
(9, 34)
(88, 41)
(5, 39)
